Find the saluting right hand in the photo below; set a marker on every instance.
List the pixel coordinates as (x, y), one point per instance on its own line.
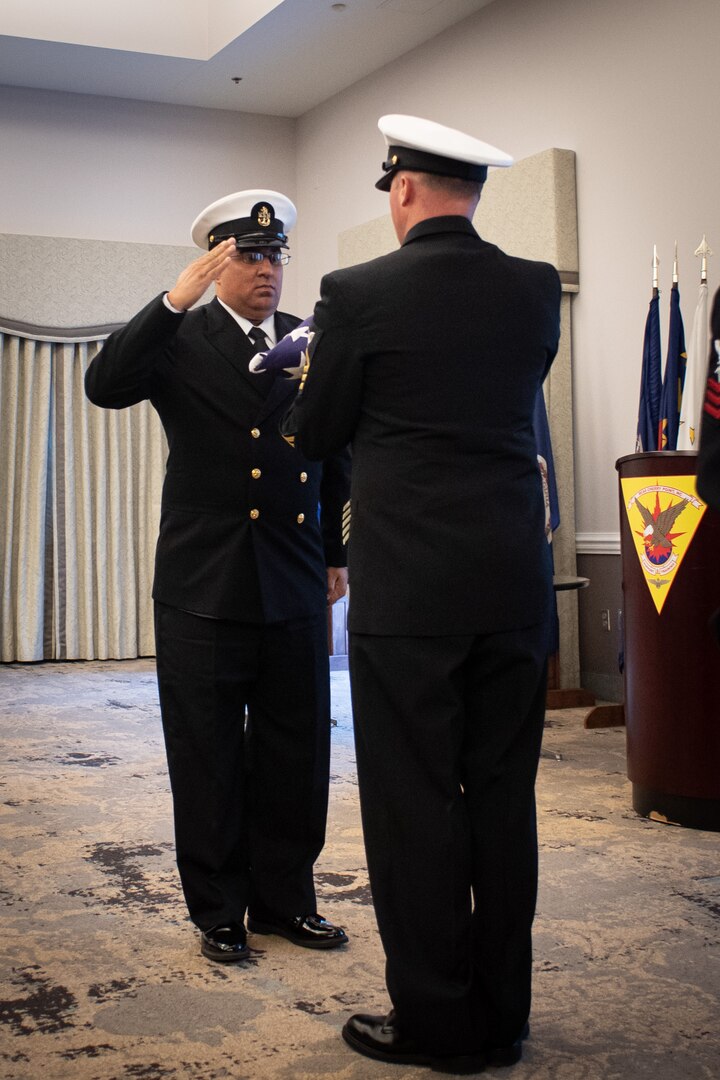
(195, 278)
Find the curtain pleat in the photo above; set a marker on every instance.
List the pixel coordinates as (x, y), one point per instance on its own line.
(25, 417)
(80, 488)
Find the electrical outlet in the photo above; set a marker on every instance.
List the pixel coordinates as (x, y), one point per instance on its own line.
(605, 619)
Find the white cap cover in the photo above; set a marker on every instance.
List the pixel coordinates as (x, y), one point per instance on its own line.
(256, 218)
(423, 145)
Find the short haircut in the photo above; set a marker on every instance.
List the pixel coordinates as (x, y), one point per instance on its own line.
(452, 186)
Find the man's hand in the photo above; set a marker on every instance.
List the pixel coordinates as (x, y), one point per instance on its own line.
(337, 577)
(201, 273)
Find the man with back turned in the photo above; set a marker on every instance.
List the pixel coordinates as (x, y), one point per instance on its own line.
(428, 361)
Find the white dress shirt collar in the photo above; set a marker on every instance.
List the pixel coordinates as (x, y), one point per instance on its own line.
(268, 326)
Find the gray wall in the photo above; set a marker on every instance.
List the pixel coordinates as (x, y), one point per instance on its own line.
(98, 168)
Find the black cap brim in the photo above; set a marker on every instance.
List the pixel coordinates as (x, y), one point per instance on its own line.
(405, 157)
(246, 236)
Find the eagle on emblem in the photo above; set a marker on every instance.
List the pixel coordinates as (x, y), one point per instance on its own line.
(658, 523)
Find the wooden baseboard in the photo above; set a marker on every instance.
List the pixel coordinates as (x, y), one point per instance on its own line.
(569, 698)
(606, 716)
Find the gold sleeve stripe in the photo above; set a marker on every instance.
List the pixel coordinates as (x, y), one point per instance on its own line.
(306, 368)
(346, 523)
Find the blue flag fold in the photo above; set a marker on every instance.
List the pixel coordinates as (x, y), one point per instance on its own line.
(289, 354)
(674, 379)
(650, 381)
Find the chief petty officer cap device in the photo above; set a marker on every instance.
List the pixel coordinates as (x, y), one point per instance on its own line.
(256, 218)
(424, 146)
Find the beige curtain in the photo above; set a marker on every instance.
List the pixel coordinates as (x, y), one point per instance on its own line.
(80, 496)
(25, 420)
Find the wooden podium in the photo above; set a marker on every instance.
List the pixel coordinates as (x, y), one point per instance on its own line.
(672, 657)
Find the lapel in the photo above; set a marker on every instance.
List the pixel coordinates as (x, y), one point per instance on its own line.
(226, 337)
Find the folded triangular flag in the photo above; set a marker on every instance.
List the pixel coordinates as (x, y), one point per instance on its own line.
(290, 353)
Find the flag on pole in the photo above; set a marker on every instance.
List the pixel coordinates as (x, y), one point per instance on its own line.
(695, 376)
(650, 381)
(674, 380)
(696, 372)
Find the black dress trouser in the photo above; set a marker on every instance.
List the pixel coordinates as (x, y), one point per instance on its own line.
(249, 792)
(448, 733)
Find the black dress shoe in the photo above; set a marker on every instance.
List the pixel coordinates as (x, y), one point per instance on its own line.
(505, 1055)
(226, 944)
(379, 1037)
(509, 1053)
(311, 931)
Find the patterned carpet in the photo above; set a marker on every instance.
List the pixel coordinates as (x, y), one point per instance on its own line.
(101, 977)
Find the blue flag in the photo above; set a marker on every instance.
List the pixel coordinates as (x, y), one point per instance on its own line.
(674, 381)
(650, 382)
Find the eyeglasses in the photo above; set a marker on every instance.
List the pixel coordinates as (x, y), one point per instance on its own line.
(253, 258)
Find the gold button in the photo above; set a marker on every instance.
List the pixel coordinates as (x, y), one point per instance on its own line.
(256, 474)
(303, 477)
(300, 518)
(255, 433)
(254, 514)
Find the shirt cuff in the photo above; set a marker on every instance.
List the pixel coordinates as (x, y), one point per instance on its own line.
(168, 305)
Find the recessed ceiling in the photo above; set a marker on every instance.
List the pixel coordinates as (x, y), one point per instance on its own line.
(279, 57)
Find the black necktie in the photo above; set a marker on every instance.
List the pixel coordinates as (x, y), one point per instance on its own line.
(263, 379)
(259, 338)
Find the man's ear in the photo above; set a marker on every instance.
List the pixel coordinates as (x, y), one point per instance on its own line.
(406, 188)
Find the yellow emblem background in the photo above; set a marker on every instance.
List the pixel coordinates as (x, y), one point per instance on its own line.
(671, 492)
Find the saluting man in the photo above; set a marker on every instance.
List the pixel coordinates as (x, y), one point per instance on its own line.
(429, 360)
(244, 571)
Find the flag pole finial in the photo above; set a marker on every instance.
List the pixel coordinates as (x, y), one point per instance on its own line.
(655, 266)
(675, 266)
(703, 251)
